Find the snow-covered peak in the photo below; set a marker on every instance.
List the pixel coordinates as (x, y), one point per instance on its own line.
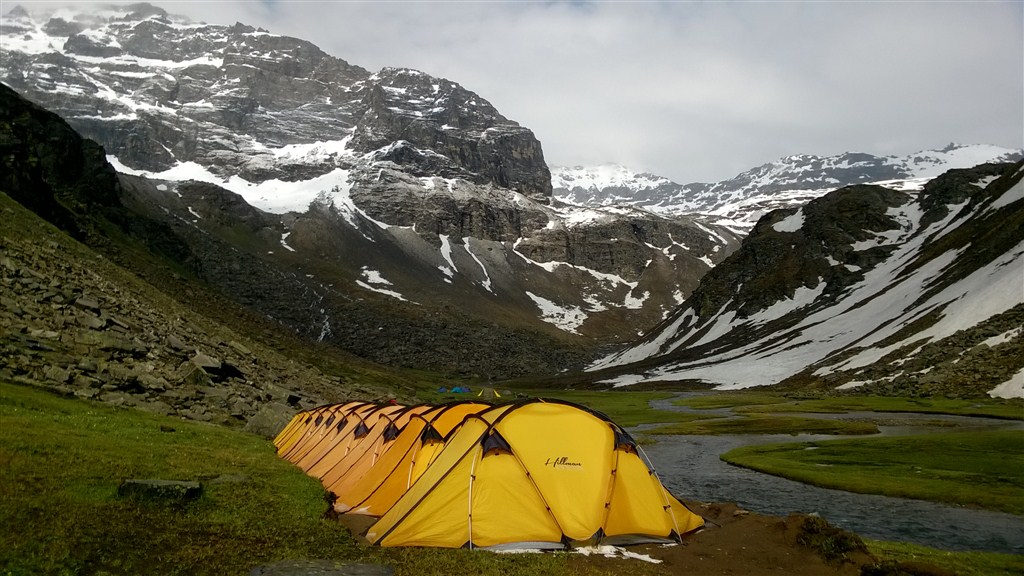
(931, 163)
(789, 181)
(604, 176)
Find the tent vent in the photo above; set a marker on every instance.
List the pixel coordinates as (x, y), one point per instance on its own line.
(319, 419)
(430, 435)
(494, 442)
(308, 419)
(329, 421)
(623, 441)
(391, 432)
(361, 430)
(342, 424)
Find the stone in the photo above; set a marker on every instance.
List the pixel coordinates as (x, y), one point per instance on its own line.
(270, 419)
(176, 343)
(56, 374)
(87, 304)
(197, 377)
(151, 382)
(173, 491)
(205, 362)
(91, 322)
(239, 347)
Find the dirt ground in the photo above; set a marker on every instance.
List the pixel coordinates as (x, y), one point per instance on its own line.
(738, 542)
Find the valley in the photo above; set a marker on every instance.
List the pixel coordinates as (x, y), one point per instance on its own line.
(206, 229)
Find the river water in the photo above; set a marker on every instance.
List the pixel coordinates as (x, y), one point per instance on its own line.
(690, 467)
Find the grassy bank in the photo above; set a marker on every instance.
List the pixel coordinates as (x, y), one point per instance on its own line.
(968, 468)
(760, 402)
(959, 563)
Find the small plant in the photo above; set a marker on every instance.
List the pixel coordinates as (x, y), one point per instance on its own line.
(829, 542)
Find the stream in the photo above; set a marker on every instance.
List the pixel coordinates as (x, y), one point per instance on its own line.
(690, 467)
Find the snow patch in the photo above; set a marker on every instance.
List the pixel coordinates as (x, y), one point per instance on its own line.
(614, 552)
(1012, 388)
(791, 223)
(446, 253)
(567, 318)
(373, 280)
(284, 238)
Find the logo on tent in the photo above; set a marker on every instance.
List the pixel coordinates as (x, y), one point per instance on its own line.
(562, 461)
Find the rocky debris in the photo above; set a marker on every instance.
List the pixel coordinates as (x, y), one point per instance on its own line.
(177, 491)
(70, 320)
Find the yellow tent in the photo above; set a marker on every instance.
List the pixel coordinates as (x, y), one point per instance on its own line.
(377, 438)
(299, 424)
(313, 426)
(339, 439)
(538, 473)
(413, 450)
(326, 428)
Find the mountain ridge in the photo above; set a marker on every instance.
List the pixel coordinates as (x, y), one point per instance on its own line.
(818, 298)
(796, 179)
(401, 218)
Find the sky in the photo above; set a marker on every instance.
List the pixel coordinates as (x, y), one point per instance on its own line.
(693, 91)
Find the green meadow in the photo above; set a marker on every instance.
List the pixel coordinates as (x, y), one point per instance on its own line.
(62, 459)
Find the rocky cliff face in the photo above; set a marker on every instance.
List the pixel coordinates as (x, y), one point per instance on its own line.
(394, 214)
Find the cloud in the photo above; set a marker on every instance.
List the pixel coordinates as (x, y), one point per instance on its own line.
(694, 91)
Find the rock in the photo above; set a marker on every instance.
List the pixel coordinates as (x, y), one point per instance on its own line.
(157, 407)
(88, 304)
(56, 374)
(160, 490)
(270, 419)
(240, 348)
(91, 322)
(176, 343)
(197, 377)
(205, 362)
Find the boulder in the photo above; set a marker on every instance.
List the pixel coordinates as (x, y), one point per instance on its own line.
(270, 419)
(174, 491)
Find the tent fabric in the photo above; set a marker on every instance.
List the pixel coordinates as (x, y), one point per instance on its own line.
(560, 476)
(413, 450)
(308, 451)
(362, 455)
(539, 473)
(312, 431)
(325, 455)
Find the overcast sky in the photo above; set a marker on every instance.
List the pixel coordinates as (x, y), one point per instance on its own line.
(694, 91)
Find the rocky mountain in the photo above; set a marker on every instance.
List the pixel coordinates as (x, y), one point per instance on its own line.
(73, 319)
(791, 181)
(392, 214)
(865, 288)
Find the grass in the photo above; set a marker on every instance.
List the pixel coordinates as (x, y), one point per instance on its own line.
(760, 402)
(959, 563)
(980, 469)
(766, 425)
(625, 408)
(61, 461)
